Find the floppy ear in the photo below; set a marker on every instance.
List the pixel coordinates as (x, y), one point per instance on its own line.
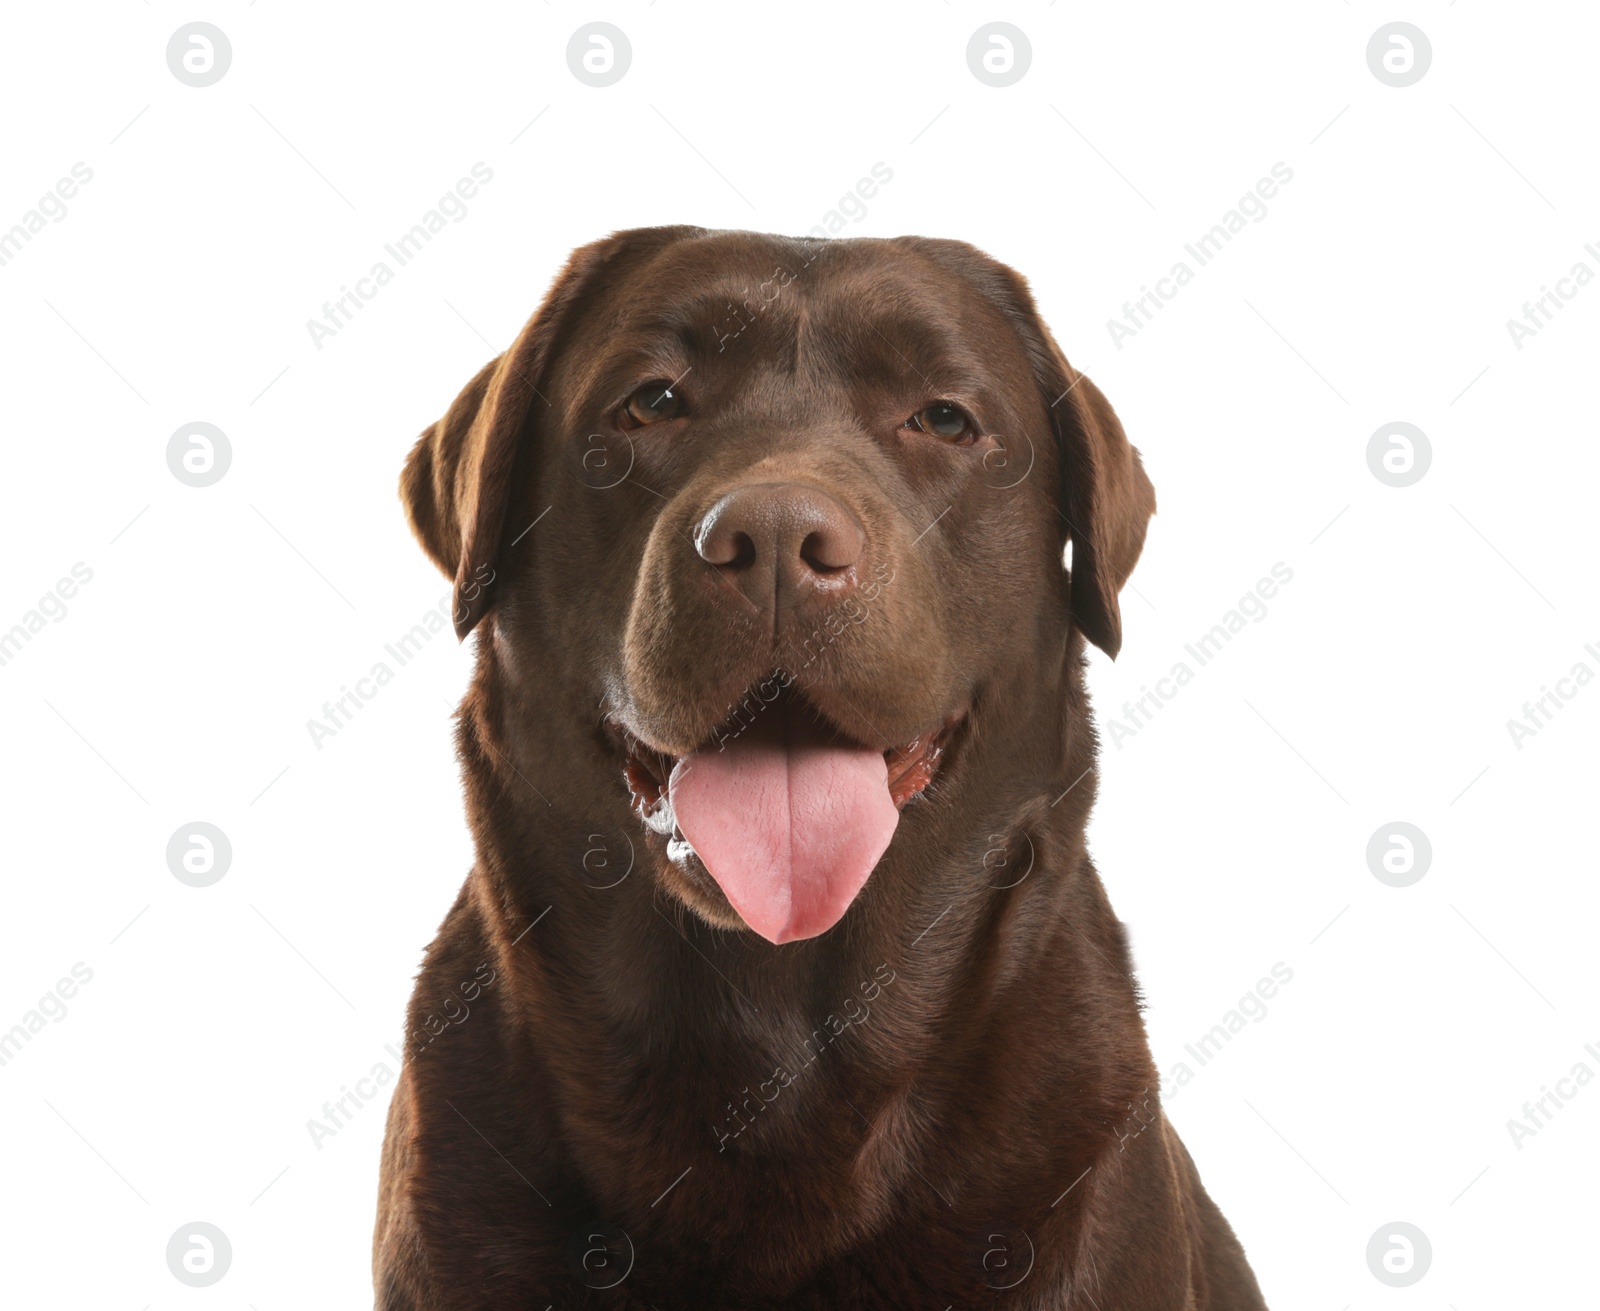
(457, 479)
(1105, 497)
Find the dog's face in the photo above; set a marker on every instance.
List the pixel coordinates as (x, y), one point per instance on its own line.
(783, 518)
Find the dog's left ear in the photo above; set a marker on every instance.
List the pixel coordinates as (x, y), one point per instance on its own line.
(457, 479)
(1105, 498)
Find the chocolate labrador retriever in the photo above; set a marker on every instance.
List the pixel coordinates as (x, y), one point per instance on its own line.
(783, 978)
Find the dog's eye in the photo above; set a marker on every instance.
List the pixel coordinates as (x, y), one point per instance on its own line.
(943, 420)
(655, 402)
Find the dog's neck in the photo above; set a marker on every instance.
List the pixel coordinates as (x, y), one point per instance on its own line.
(985, 930)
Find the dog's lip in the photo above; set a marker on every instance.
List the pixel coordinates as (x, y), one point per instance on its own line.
(912, 765)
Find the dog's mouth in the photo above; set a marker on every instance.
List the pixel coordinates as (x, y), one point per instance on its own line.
(788, 814)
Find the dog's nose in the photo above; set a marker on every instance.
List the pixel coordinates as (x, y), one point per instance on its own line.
(782, 542)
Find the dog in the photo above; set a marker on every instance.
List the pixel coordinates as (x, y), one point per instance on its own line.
(783, 978)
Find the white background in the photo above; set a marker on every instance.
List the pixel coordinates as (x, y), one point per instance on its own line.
(1233, 829)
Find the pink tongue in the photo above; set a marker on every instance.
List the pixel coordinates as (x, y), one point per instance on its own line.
(788, 825)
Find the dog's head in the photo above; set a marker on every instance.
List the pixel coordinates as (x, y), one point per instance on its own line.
(792, 515)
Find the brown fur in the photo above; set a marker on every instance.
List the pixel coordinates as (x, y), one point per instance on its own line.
(948, 1098)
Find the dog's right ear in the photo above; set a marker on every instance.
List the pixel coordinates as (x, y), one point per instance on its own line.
(457, 480)
(428, 482)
